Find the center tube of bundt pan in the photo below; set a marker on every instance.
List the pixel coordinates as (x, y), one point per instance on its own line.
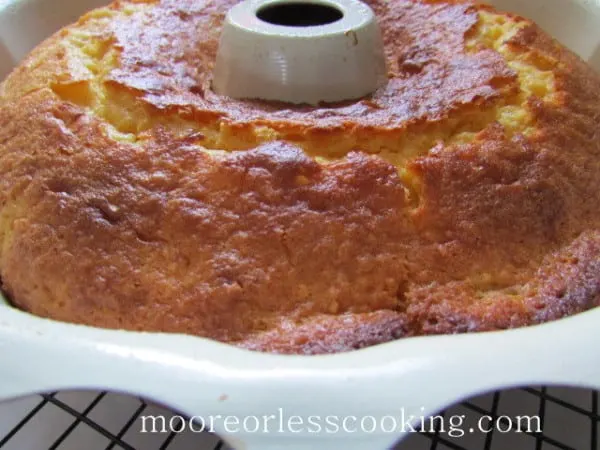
(300, 51)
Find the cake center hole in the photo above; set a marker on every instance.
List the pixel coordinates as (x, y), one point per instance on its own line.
(299, 14)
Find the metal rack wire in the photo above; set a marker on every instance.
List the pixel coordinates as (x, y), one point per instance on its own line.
(569, 418)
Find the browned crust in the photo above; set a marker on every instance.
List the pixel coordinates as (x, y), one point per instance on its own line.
(272, 251)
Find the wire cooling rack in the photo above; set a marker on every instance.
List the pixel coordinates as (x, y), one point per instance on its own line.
(104, 421)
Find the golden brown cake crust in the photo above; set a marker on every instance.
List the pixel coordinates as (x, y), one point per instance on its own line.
(463, 196)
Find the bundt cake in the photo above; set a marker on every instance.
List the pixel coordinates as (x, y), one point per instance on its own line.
(462, 196)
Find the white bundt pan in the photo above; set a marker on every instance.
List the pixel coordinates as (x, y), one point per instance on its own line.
(200, 377)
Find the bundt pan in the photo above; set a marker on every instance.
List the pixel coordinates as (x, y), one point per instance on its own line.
(525, 291)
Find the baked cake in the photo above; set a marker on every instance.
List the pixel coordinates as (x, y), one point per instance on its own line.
(463, 196)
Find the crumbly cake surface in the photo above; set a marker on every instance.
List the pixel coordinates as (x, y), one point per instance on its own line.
(462, 196)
